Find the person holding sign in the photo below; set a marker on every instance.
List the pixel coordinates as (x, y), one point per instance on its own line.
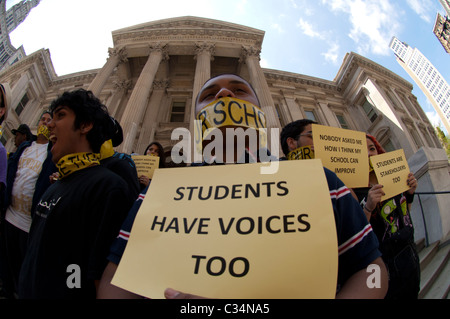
(153, 149)
(120, 163)
(392, 223)
(352, 227)
(80, 214)
(297, 144)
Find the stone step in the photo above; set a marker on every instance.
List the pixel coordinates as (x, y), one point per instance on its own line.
(426, 254)
(420, 244)
(435, 276)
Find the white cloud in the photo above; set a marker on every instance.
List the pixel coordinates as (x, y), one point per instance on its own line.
(264, 63)
(308, 29)
(277, 27)
(374, 22)
(332, 54)
(434, 119)
(421, 7)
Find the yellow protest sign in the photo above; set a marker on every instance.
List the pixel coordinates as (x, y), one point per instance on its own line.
(227, 231)
(392, 171)
(344, 152)
(145, 164)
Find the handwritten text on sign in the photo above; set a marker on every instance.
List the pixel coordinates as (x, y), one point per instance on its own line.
(230, 232)
(344, 152)
(145, 164)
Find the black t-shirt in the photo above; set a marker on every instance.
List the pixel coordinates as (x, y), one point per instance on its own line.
(123, 165)
(75, 222)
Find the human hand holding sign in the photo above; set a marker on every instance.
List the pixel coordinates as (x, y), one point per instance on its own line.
(374, 197)
(412, 183)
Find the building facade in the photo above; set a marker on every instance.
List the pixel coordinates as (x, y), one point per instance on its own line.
(154, 71)
(426, 76)
(442, 31)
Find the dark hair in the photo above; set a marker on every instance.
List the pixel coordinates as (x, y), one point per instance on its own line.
(162, 156)
(46, 112)
(293, 129)
(216, 76)
(88, 109)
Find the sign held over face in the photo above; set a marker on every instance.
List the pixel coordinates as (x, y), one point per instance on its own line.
(227, 231)
(392, 171)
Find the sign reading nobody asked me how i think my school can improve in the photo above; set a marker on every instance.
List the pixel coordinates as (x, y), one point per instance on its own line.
(228, 231)
(344, 152)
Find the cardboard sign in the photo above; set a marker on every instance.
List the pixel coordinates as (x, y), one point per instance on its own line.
(145, 164)
(392, 171)
(344, 152)
(227, 231)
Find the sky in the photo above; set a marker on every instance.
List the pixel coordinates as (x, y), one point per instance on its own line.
(309, 37)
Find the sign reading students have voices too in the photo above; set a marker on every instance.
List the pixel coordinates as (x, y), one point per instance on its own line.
(231, 232)
(344, 152)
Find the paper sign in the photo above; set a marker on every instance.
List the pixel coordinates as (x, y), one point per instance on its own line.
(344, 152)
(145, 164)
(392, 172)
(228, 231)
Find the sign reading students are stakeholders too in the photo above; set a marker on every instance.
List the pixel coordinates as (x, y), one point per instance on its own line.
(228, 231)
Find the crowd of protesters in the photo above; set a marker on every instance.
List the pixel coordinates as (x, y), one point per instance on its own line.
(66, 194)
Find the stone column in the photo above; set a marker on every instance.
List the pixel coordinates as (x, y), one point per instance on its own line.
(204, 54)
(151, 118)
(120, 89)
(116, 56)
(294, 110)
(328, 114)
(137, 103)
(250, 56)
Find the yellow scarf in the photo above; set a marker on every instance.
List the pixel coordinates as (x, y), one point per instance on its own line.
(106, 150)
(43, 130)
(229, 112)
(75, 162)
(304, 152)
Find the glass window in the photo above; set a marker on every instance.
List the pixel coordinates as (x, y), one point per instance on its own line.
(370, 112)
(342, 121)
(178, 109)
(22, 104)
(310, 115)
(388, 147)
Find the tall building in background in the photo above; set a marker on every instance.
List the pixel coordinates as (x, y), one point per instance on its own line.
(442, 26)
(9, 20)
(426, 76)
(446, 5)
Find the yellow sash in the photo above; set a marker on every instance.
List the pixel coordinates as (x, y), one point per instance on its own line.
(43, 130)
(230, 112)
(304, 152)
(75, 162)
(106, 150)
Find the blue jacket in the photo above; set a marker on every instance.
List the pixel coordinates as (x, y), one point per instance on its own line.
(42, 183)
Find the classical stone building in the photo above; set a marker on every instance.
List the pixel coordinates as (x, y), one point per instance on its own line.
(155, 70)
